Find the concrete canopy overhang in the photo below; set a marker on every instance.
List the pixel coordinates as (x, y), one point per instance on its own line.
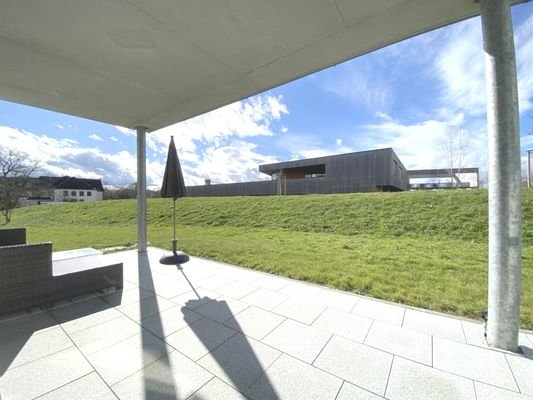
(154, 63)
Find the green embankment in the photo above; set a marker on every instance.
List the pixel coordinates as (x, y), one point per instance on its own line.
(426, 249)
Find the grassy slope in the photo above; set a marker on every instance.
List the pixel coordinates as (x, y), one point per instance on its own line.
(426, 249)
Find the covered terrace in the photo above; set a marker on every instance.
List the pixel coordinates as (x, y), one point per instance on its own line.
(148, 64)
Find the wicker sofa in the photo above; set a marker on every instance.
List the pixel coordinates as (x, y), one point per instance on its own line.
(29, 277)
(11, 236)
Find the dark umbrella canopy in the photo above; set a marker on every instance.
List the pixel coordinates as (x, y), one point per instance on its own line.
(173, 183)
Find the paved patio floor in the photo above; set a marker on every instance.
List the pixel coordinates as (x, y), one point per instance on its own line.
(213, 331)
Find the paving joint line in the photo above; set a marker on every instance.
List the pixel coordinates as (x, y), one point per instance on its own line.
(88, 362)
(322, 349)
(388, 376)
(512, 373)
(340, 388)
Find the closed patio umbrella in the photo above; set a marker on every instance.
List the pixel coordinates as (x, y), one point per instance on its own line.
(173, 186)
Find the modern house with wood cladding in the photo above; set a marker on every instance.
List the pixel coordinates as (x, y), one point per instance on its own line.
(366, 171)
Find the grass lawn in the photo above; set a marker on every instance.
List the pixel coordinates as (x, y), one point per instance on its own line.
(426, 249)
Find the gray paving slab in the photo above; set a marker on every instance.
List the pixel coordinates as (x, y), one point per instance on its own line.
(214, 282)
(380, 311)
(474, 333)
(166, 287)
(292, 379)
(237, 290)
(124, 297)
(122, 359)
(43, 375)
(105, 334)
(410, 380)
(171, 377)
(221, 309)
(434, 324)
(146, 308)
(25, 326)
(299, 290)
(244, 275)
(336, 299)
(522, 369)
(128, 284)
(169, 321)
(26, 349)
(89, 386)
(488, 392)
(217, 390)
(305, 311)
(255, 322)
(400, 341)
(298, 340)
(195, 298)
(356, 363)
(473, 362)
(272, 282)
(83, 315)
(200, 337)
(344, 324)
(352, 392)
(264, 298)
(240, 361)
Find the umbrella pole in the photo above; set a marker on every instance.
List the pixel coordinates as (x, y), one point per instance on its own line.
(174, 248)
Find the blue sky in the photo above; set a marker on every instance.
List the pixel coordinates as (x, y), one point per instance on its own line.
(408, 96)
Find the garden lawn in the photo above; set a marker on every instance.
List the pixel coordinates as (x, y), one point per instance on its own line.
(425, 249)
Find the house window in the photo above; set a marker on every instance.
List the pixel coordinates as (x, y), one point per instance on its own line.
(81, 194)
(65, 192)
(73, 193)
(89, 194)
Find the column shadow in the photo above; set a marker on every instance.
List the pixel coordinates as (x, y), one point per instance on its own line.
(158, 382)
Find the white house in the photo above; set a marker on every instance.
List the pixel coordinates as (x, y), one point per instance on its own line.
(77, 189)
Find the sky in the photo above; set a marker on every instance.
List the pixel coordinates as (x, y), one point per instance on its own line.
(408, 96)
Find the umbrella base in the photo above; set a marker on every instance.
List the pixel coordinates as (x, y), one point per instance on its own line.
(178, 257)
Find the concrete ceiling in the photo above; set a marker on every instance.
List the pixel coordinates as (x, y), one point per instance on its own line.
(156, 62)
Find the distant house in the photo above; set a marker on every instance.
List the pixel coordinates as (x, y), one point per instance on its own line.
(47, 189)
(77, 189)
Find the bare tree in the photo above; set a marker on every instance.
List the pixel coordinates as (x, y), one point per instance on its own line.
(15, 171)
(455, 148)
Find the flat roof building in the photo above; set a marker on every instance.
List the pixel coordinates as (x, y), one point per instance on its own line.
(365, 171)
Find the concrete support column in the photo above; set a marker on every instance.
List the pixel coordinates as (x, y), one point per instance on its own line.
(505, 204)
(141, 190)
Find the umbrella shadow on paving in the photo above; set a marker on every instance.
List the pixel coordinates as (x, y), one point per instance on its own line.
(230, 351)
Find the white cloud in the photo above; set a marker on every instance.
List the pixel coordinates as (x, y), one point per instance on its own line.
(419, 145)
(235, 162)
(338, 142)
(460, 66)
(524, 54)
(59, 126)
(125, 131)
(359, 82)
(217, 145)
(113, 139)
(60, 157)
